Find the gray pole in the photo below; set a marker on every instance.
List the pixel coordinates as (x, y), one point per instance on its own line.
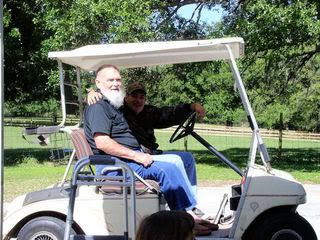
(280, 136)
(1, 117)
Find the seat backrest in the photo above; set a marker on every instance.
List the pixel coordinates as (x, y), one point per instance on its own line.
(80, 144)
(83, 149)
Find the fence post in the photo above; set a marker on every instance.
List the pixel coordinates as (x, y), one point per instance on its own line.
(280, 135)
(185, 143)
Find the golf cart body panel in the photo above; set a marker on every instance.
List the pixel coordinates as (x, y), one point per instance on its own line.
(17, 212)
(261, 189)
(91, 205)
(257, 198)
(45, 194)
(281, 183)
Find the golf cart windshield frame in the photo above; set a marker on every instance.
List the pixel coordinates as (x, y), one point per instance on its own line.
(132, 55)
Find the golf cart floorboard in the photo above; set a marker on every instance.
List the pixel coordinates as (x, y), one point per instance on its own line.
(84, 237)
(221, 233)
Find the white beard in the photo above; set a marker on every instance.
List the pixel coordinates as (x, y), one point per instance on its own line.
(115, 97)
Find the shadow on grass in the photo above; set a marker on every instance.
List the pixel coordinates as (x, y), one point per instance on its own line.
(302, 159)
(13, 157)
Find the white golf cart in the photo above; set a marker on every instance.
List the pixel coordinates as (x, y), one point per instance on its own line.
(263, 204)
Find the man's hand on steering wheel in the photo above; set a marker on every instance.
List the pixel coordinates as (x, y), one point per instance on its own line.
(199, 109)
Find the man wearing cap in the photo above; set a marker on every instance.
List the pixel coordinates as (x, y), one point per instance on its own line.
(143, 119)
(108, 133)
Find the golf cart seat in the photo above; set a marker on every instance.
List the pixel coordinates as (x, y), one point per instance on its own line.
(83, 149)
(79, 177)
(80, 143)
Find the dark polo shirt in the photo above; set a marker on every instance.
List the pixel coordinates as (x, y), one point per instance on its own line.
(102, 117)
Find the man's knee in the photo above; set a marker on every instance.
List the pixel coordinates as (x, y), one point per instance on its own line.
(172, 158)
(177, 160)
(187, 157)
(171, 167)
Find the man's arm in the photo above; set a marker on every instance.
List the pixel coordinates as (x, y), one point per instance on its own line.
(169, 116)
(109, 146)
(199, 109)
(93, 96)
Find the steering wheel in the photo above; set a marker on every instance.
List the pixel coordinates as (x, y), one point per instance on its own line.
(184, 129)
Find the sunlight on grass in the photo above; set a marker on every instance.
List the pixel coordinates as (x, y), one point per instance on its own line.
(28, 167)
(209, 172)
(306, 176)
(30, 177)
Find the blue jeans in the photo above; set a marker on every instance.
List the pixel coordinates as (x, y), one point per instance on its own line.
(173, 185)
(187, 166)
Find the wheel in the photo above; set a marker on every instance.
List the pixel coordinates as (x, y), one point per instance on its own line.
(184, 129)
(282, 226)
(43, 228)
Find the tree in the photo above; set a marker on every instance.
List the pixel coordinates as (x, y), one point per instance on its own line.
(34, 28)
(281, 62)
(24, 68)
(282, 45)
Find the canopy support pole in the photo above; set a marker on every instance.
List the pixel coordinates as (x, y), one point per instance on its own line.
(251, 118)
(1, 119)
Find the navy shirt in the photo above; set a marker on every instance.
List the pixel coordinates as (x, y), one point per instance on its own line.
(102, 117)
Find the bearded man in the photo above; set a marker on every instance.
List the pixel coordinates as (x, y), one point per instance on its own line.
(108, 133)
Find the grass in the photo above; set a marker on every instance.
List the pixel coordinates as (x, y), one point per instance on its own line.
(30, 176)
(299, 157)
(28, 168)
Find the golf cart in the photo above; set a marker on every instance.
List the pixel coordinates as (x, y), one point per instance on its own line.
(263, 204)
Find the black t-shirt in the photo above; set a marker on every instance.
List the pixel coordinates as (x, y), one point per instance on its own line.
(102, 117)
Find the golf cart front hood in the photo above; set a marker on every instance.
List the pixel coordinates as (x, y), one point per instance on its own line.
(273, 183)
(265, 191)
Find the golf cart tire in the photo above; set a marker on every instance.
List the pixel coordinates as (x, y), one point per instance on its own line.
(285, 225)
(50, 228)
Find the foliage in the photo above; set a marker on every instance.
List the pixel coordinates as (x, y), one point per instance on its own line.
(306, 108)
(80, 22)
(34, 28)
(49, 108)
(281, 66)
(280, 69)
(24, 69)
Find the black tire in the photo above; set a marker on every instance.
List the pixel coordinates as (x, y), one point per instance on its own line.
(282, 226)
(43, 228)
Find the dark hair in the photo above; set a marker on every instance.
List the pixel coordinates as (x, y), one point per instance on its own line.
(165, 225)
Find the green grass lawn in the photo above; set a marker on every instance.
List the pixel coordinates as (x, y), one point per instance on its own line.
(30, 176)
(28, 168)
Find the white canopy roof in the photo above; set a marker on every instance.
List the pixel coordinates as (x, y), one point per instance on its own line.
(130, 55)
